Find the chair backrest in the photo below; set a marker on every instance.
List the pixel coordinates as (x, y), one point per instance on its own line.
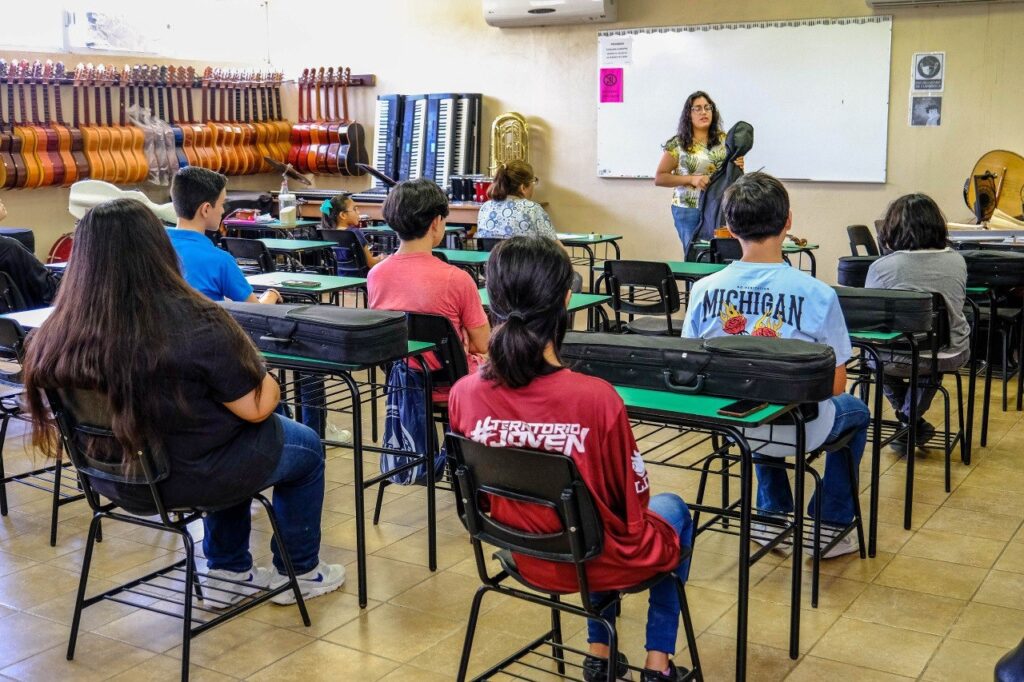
(11, 300)
(12, 349)
(724, 250)
(860, 236)
(438, 329)
(440, 256)
(488, 243)
(250, 252)
(348, 253)
(83, 417)
(548, 480)
(641, 278)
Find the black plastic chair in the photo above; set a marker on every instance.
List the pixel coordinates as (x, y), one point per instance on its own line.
(488, 243)
(252, 255)
(349, 254)
(651, 291)
(450, 354)
(724, 250)
(440, 256)
(860, 236)
(552, 481)
(131, 483)
(57, 479)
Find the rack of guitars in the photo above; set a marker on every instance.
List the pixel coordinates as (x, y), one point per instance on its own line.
(141, 122)
(327, 141)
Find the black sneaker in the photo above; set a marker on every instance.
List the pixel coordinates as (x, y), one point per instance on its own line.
(596, 669)
(925, 432)
(674, 674)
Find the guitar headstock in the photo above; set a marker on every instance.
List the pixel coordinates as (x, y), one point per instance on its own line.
(304, 78)
(162, 78)
(126, 77)
(146, 75)
(207, 76)
(320, 77)
(190, 77)
(80, 74)
(47, 74)
(348, 76)
(58, 72)
(90, 74)
(37, 71)
(24, 70)
(3, 69)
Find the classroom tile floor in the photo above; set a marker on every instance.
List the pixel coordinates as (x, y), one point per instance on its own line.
(940, 602)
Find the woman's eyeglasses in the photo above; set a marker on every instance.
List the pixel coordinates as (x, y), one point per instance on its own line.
(698, 108)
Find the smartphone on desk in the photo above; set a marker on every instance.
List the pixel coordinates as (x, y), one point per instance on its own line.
(300, 283)
(742, 408)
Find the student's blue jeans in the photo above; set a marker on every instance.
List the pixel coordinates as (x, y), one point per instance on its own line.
(774, 494)
(686, 220)
(663, 604)
(298, 483)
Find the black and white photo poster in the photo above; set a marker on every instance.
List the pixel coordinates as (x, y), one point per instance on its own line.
(929, 71)
(925, 111)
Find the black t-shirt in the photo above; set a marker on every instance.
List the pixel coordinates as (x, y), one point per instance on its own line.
(215, 457)
(36, 286)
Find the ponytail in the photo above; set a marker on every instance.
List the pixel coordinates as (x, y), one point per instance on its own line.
(331, 208)
(527, 279)
(509, 179)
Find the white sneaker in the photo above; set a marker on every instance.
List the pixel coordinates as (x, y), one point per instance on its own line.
(321, 580)
(763, 534)
(847, 545)
(221, 592)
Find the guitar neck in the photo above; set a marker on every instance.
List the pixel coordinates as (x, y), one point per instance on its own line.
(277, 102)
(122, 113)
(263, 101)
(35, 108)
(58, 111)
(110, 107)
(46, 105)
(181, 101)
(21, 104)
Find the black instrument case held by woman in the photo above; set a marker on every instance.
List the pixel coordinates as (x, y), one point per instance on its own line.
(349, 336)
(761, 368)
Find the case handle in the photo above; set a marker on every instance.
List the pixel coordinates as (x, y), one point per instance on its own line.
(275, 339)
(683, 388)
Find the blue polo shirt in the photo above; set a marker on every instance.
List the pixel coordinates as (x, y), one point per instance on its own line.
(211, 271)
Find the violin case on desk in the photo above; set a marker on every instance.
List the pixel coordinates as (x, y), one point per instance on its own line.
(757, 367)
(994, 269)
(885, 310)
(853, 270)
(348, 336)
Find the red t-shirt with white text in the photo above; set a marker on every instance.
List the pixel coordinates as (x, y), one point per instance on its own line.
(582, 417)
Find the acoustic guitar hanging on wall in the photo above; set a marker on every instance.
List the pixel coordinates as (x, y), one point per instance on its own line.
(997, 182)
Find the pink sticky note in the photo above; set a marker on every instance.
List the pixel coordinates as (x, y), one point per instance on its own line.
(611, 86)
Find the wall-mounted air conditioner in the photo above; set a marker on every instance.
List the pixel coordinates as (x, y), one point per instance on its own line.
(519, 13)
(896, 4)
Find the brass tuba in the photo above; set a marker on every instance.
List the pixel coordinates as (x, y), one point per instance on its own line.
(510, 140)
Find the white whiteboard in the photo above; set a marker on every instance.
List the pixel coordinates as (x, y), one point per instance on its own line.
(816, 92)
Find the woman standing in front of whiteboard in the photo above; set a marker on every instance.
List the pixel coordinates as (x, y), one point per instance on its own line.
(691, 157)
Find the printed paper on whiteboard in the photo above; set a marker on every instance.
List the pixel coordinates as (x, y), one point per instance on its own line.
(617, 51)
(611, 86)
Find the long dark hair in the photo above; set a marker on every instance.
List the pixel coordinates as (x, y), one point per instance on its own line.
(913, 222)
(509, 180)
(527, 280)
(112, 329)
(684, 131)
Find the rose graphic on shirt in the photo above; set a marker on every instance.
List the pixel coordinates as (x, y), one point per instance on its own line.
(766, 327)
(733, 321)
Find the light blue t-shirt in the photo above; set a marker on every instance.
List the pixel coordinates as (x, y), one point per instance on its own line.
(771, 299)
(211, 271)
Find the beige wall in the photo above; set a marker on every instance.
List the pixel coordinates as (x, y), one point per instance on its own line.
(549, 75)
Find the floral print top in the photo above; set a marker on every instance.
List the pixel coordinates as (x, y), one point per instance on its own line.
(513, 217)
(699, 160)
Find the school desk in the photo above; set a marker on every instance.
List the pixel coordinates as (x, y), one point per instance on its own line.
(327, 285)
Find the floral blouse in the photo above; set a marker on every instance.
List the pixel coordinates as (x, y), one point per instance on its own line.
(699, 160)
(513, 217)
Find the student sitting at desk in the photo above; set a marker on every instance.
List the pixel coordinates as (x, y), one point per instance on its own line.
(914, 237)
(181, 375)
(511, 210)
(36, 286)
(763, 296)
(198, 196)
(340, 213)
(413, 280)
(525, 384)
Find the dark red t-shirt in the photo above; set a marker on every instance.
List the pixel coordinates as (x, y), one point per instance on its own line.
(582, 417)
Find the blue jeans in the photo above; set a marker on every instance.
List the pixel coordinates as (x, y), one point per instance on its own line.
(686, 220)
(663, 604)
(774, 494)
(298, 483)
(312, 401)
